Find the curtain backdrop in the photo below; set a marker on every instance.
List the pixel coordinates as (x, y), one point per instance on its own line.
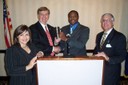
(90, 11)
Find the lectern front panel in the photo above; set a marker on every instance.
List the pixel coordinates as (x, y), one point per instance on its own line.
(70, 72)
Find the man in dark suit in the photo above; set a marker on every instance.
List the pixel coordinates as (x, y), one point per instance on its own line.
(74, 36)
(43, 34)
(112, 47)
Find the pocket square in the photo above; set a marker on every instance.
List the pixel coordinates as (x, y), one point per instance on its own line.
(108, 46)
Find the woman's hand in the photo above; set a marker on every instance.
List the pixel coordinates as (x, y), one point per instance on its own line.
(40, 54)
(31, 63)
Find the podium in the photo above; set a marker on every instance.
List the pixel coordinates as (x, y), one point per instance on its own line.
(70, 71)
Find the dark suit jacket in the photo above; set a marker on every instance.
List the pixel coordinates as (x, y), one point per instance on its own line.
(115, 48)
(39, 37)
(16, 60)
(76, 44)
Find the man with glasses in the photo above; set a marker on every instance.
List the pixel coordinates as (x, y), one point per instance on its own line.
(113, 49)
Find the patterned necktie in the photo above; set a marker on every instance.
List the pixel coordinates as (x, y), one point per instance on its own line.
(103, 40)
(49, 39)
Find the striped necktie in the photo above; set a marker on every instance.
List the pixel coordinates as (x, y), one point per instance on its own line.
(103, 40)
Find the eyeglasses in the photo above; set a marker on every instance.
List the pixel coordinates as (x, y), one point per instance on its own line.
(107, 20)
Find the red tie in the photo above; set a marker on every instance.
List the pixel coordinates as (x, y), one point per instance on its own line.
(48, 36)
(49, 39)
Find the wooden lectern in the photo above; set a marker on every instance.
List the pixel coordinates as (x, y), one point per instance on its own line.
(70, 71)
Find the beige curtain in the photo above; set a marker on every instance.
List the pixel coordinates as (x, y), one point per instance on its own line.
(90, 11)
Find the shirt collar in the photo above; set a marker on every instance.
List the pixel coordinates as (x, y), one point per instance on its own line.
(108, 32)
(43, 25)
(74, 24)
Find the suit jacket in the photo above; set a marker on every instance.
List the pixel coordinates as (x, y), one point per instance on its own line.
(16, 60)
(126, 66)
(115, 48)
(76, 44)
(39, 37)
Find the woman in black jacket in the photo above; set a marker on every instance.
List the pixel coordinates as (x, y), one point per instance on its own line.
(20, 58)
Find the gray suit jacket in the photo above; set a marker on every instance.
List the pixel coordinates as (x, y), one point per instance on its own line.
(76, 44)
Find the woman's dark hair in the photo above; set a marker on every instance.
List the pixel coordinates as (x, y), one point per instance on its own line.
(19, 30)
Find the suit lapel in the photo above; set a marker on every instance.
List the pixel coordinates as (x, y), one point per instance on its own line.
(42, 31)
(50, 29)
(109, 38)
(77, 30)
